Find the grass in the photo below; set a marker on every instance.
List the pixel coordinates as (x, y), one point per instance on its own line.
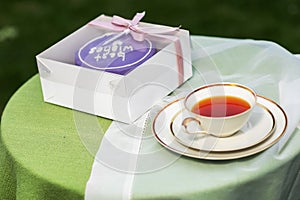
(28, 27)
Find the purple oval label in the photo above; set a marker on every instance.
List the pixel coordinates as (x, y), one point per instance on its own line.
(119, 56)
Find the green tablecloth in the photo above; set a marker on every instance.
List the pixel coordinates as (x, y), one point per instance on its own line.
(42, 157)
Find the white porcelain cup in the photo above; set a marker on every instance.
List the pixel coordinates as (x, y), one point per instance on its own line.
(223, 120)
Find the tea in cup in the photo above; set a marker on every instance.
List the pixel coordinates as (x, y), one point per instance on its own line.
(220, 109)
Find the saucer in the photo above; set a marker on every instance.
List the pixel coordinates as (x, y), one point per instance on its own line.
(259, 127)
(162, 131)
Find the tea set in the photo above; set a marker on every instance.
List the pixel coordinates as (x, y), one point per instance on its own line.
(220, 121)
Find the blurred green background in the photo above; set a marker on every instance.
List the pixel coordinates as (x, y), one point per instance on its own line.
(30, 26)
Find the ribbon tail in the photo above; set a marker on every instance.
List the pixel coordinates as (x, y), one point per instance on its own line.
(179, 59)
(137, 18)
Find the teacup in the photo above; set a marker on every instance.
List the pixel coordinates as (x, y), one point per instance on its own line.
(220, 109)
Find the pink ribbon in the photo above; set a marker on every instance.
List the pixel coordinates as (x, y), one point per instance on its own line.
(138, 33)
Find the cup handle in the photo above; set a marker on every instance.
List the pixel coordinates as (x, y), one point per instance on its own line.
(185, 123)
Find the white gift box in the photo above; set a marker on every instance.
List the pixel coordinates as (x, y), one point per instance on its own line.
(119, 97)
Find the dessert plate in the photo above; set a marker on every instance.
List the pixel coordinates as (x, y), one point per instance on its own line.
(259, 127)
(162, 131)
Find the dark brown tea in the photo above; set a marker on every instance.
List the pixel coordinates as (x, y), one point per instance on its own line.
(220, 106)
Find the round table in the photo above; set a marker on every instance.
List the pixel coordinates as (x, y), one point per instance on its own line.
(42, 157)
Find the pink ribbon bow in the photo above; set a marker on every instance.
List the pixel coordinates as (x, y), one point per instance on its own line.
(125, 26)
(138, 33)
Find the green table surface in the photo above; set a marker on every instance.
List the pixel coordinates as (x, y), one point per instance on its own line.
(42, 157)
